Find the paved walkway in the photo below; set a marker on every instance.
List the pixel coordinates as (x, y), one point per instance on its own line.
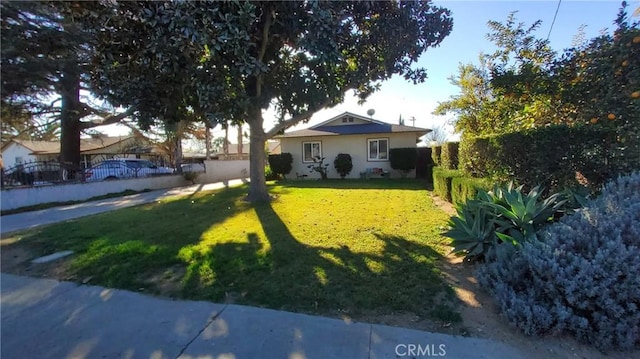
(44, 318)
(33, 219)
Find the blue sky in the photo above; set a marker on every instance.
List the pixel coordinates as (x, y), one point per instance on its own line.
(468, 38)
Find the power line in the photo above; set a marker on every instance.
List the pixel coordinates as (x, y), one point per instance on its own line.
(554, 19)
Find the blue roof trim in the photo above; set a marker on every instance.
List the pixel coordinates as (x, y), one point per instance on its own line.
(356, 129)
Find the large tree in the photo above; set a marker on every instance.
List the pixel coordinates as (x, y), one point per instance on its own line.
(230, 61)
(44, 68)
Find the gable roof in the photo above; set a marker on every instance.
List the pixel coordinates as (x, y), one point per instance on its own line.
(345, 114)
(372, 127)
(35, 146)
(53, 147)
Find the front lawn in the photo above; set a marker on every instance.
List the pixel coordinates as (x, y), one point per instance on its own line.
(319, 247)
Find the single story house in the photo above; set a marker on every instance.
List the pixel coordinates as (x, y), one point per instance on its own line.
(367, 141)
(92, 149)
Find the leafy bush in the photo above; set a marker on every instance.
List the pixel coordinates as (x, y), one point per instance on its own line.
(502, 215)
(403, 159)
(281, 164)
(466, 188)
(442, 182)
(343, 164)
(190, 176)
(436, 152)
(581, 277)
(555, 156)
(269, 174)
(449, 155)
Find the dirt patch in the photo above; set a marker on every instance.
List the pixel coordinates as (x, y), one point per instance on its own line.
(447, 207)
(167, 282)
(16, 258)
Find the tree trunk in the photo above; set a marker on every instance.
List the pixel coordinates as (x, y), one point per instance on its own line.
(69, 117)
(207, 136)
(178, 153)
(258, 186)
(225, 144)
(240, 139)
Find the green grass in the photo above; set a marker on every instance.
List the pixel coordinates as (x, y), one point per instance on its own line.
(319, 247)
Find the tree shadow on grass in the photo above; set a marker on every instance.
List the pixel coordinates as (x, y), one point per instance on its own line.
(289, 275)
(124, 248)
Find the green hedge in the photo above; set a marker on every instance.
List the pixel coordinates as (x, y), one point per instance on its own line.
(436, 152)
(555, 156)
(449, 155)
(403, 159)
(442, 181)
(281, 164)
(465, 188)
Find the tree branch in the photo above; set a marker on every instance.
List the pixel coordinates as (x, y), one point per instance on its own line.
(263, 50)
(297, 118)
(265, 35)
(106, 120)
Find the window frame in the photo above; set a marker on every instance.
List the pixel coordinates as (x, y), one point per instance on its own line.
(377, 159)
(319, 143)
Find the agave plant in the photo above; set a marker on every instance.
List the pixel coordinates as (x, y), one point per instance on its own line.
(521, 216)
(472, 231)
(503, 215)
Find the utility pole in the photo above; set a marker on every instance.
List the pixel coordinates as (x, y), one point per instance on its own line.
(413, 121)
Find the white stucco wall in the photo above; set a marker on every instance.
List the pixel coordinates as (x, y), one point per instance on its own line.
(219, 170)
(14, 150)
(354, 145)
(21, 197)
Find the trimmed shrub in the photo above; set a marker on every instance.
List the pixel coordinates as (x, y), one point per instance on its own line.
(449, 156)
(582, 277)
(436, 152)
(442, 182)
(466, 188)
(424, 164)
(343, 164)
(554, 156)
(281, 164)
(190, 176)
(403, 159)
(269, 175)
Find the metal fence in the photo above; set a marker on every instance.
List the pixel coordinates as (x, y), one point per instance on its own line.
(40, 173)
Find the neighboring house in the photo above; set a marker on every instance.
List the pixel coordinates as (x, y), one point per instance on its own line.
(92, 149)
(367, 141)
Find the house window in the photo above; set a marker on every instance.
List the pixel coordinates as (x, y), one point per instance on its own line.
(378, 149)
(19, 160)
(311, 150)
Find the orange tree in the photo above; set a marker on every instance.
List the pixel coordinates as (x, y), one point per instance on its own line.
(598, 84)
(525, 86)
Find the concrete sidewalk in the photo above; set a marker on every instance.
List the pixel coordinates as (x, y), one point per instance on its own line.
(42, 217)
(44, 318)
